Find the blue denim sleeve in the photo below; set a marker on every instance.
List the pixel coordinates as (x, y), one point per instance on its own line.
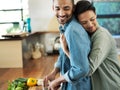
(79, 47)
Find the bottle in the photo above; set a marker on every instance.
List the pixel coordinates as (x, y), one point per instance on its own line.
(28, 25)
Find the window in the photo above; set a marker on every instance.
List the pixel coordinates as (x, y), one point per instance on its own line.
(108, 14)
(11, 13)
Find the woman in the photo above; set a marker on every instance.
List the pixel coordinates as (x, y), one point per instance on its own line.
(103, 57)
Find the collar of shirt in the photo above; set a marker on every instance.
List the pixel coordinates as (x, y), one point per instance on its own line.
(63, 28)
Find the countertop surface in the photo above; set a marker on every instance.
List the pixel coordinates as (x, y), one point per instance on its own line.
(14, 36)
(22, 35)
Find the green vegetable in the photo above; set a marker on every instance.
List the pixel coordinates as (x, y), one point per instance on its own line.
(19, 88)
(21, 80)
(18, 84)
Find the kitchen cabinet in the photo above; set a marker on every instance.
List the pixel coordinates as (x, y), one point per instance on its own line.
(11, 54)
(12, 49)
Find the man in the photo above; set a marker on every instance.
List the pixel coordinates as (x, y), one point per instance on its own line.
(74, 69)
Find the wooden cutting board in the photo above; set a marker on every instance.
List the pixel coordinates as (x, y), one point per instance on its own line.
(36, 88)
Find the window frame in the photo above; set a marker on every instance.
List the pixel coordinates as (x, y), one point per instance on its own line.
(107, 16)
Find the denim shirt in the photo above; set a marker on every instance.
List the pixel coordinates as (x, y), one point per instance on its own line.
(79, 46)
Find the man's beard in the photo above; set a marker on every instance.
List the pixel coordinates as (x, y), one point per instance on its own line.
(65, 20)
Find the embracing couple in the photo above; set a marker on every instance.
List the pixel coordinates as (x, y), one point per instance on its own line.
(88, 57)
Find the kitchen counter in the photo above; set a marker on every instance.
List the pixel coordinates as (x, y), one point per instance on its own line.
(11, 51)
(32, 68)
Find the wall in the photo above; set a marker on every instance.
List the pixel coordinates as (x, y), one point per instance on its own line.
(44, 42)
(42, 15)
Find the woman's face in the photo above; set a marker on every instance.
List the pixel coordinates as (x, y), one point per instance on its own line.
(88, 20)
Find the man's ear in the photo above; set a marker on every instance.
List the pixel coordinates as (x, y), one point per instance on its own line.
(74, 8)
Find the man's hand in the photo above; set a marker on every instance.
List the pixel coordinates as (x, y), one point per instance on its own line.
(50, 77)
(47, 79)
(55, 84)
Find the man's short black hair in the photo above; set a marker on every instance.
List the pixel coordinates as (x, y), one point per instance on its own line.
(82, 6)
(71, 1)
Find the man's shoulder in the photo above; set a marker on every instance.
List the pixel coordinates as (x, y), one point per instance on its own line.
(75, 24)
(74, 21)
(75, 27)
